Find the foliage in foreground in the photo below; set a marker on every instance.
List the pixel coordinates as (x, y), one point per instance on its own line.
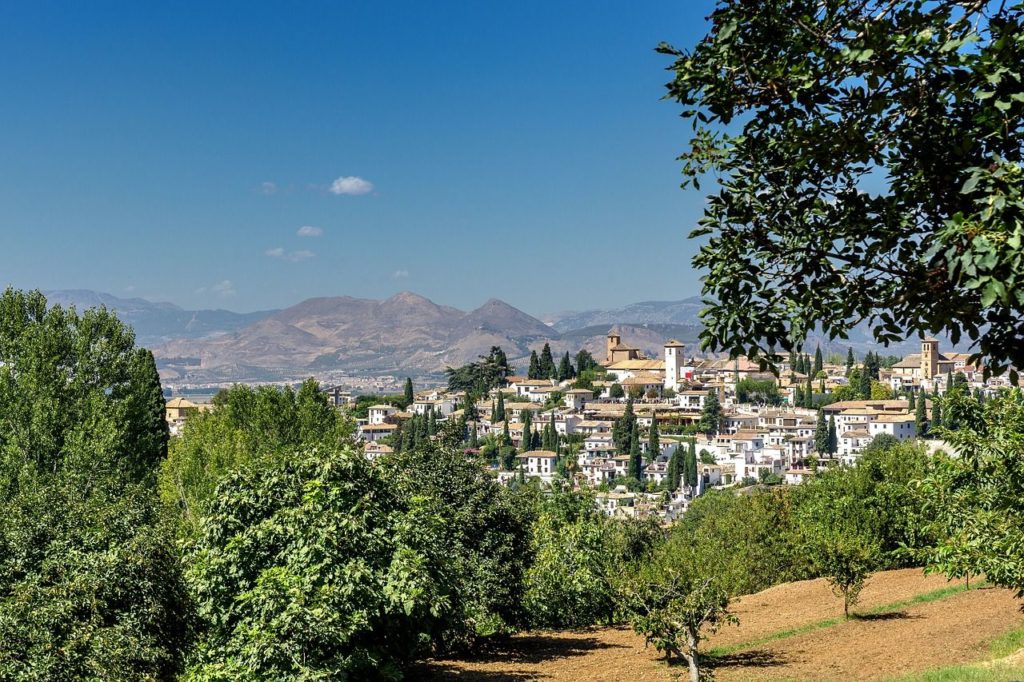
(312, 566)
(90, 584)
(869, 164)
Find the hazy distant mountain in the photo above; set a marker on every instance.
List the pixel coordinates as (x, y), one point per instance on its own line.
(683, 312)
(155, 323)
(405, 333)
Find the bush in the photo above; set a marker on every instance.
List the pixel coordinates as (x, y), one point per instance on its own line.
(570, 581)
(316, 553)
(483, 530)
(90, 585)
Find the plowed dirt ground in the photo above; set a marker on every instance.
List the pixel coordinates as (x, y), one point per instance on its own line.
(880, 644)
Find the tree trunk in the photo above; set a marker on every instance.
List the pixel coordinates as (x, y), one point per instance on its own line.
(846, 605)
(692, 657)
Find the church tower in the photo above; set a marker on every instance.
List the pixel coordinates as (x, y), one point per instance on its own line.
(613, 340)
(674, 359)
(929, 358)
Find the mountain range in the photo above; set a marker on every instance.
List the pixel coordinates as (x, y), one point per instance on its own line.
(406, 334)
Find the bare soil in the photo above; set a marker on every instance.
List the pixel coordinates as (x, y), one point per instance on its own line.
(950, 631)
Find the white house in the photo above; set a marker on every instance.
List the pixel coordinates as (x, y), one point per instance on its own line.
(540, 463)
(378, 414)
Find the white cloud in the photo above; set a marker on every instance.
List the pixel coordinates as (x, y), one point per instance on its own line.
(400, 274)
(290, 256)
(351, 185)
(224, 288)
(268, 187)
(310, 231)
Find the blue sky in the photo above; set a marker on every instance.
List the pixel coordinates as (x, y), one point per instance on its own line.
(175, 150)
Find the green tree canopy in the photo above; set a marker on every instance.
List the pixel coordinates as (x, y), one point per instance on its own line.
(868, 157)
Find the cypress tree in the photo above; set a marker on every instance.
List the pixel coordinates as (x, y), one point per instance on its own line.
(409, 435)
(409, 397)
(432, 422)
(547, 363)
(565, 370)
(798, 397)
(553, 438)
(505, 437)
(396, 438)
(473, 441)
(833, 437)
(864, 386)
(936, 413)
(691, 465)
(819, 362)
(527, 440)
(821, 434)
(635, 459)
(534, 371)
(673, 470)
(653, 441)
(500, 416)
(423, 432)
(850, 361)
(808, 393)
(921, 416)
(911, 401)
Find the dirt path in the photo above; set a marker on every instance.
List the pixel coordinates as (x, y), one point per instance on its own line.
(953, 630)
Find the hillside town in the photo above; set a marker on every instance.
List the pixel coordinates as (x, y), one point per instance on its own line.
(649, 435)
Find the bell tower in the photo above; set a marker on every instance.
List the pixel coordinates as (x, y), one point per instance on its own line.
(614, 339)
(929, 358)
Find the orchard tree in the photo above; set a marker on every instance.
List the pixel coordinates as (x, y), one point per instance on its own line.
(976, 499)
(868, 158)
(675, 603)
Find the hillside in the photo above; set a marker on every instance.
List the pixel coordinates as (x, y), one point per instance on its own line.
(155, 322)
(908, 623)
(407, 333)
(683, 312)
